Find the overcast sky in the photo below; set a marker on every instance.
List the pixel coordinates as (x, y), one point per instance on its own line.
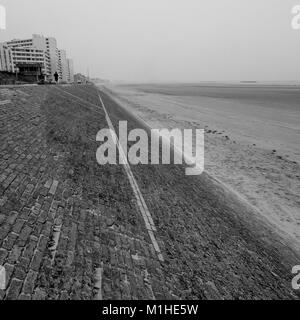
(167, 40)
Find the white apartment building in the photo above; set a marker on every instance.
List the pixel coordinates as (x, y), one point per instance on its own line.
(6, 59)
(51, 48)
(41, 43)
(70, 71)
(54, 60)
(28, 56)
(63, 66)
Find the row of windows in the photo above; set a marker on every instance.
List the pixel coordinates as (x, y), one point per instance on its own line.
(28, 51)
(20, 41)
(28, 59)
(28, 55)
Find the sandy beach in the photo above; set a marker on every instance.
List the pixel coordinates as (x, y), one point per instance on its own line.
(251, 138)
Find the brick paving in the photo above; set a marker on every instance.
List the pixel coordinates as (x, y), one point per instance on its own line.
(71, 229)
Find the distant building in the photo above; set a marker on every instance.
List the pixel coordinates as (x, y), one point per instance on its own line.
(63, 69)
(70, 71)
(29, 56)
(6, 59)
(30, 51)
(38, 43)
(80, 78)
(51, 47)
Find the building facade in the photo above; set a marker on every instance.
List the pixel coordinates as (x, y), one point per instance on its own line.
(28, 56)
(6, 59)
(70, 71)
(63, 66)
(52, 51)
(80, 78)
(41, 49)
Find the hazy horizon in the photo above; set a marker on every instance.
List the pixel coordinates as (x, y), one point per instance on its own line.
(166, 40)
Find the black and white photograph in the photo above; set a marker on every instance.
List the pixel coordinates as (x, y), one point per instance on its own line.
(149, 151)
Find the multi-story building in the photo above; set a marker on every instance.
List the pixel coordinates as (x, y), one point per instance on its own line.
(54, 60)
(47, 45)
(29, 56)
(70, 71)
(6, 59)
(63, 65)
(51, 48)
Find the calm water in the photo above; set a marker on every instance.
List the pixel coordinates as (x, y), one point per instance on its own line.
(274, 96)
